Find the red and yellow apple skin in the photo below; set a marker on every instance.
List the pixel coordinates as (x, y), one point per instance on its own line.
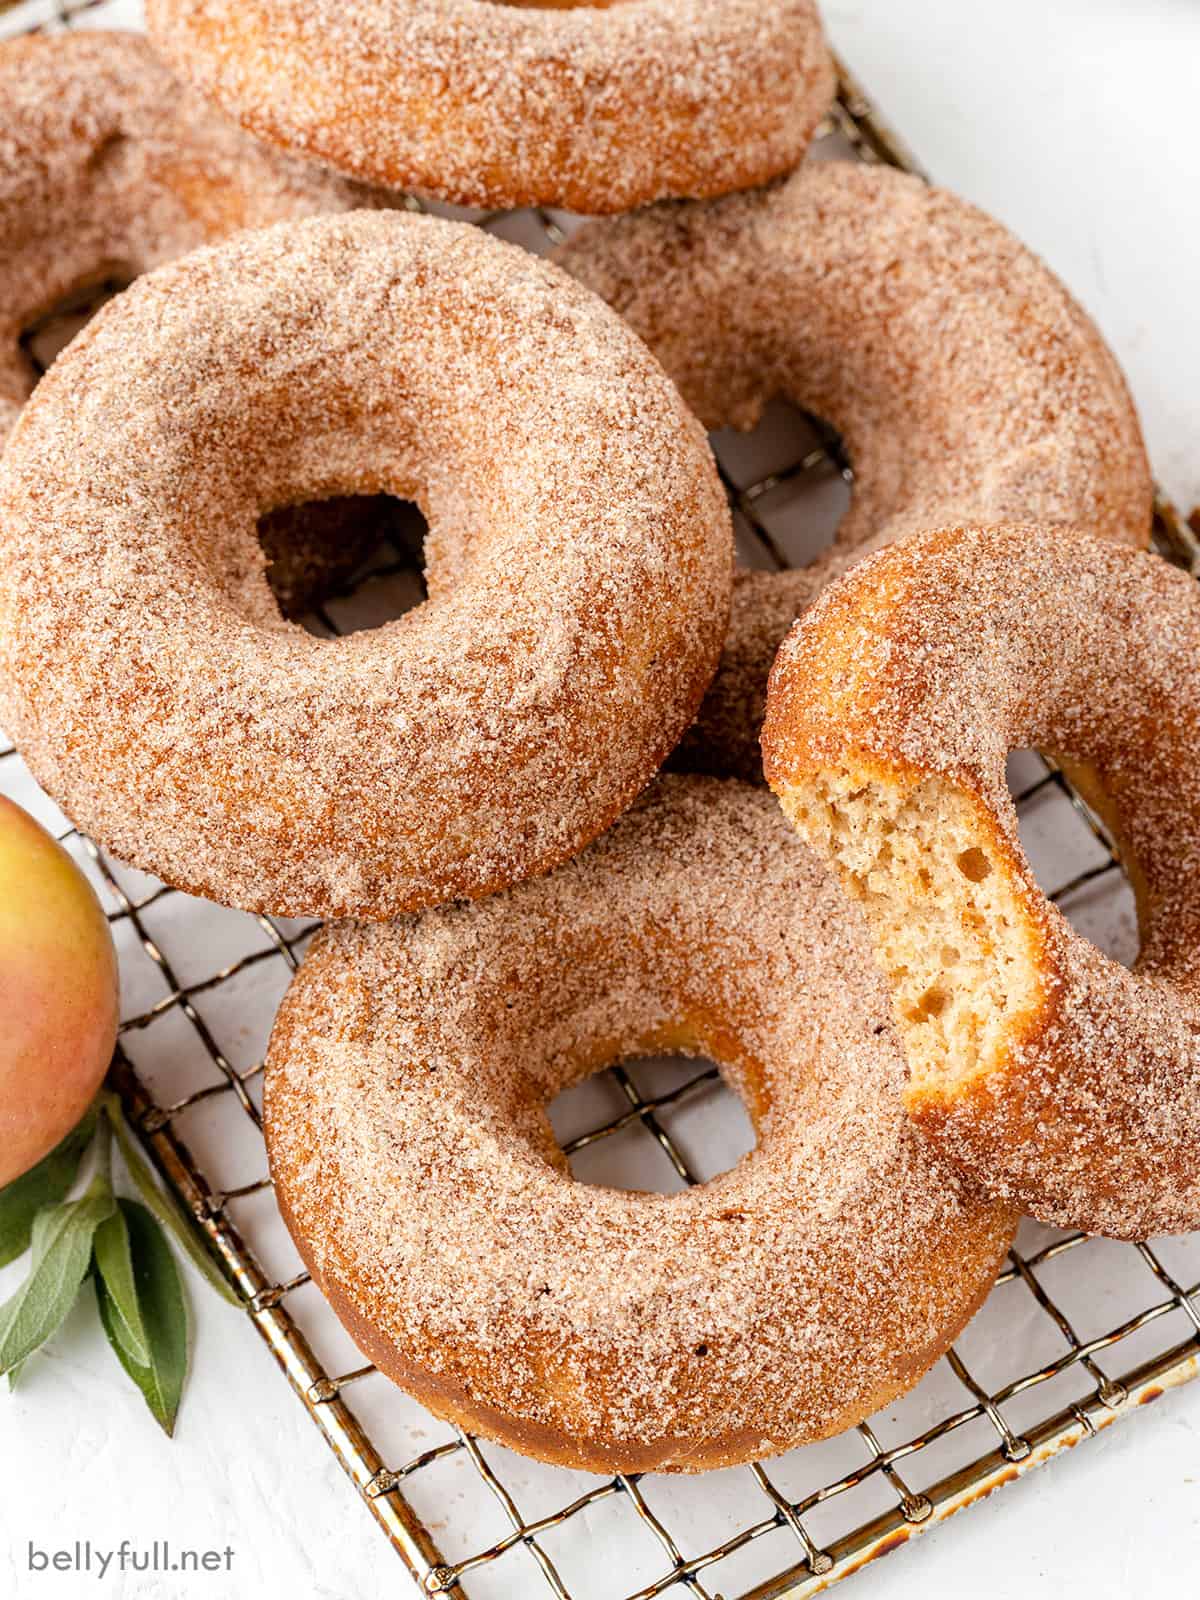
(58, 992)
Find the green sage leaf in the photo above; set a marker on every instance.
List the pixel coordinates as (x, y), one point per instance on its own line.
(43, 1185)
(114, 1263)
(62, 1251)
(163, 1313)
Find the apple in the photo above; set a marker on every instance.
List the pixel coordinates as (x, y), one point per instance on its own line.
(58, 992)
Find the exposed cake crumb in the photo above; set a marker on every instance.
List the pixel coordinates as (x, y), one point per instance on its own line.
(1065, 1082)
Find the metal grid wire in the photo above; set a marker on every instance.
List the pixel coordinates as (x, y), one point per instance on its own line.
(887, 1483)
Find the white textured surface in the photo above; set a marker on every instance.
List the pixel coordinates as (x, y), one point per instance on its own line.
(1075, 124)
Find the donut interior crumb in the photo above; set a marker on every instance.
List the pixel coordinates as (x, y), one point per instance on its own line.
(948, 928)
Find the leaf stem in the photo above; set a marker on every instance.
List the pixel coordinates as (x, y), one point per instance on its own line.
(101, 1182)
(165, 1209)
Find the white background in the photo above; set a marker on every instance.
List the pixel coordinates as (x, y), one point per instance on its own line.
(1074, 123)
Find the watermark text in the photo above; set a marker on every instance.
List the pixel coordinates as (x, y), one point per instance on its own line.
(96, 1561)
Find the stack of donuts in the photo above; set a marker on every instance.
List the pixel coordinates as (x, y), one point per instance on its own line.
(825, 893)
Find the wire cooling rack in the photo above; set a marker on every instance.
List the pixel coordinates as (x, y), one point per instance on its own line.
(1077, 1332)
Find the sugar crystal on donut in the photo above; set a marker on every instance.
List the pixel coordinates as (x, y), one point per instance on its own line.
(110, 166)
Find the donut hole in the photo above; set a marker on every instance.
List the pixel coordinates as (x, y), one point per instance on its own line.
(686, 1100)
(795, 477)
(949, 926)
(48, 331)
(345, 563)
(1067, 826)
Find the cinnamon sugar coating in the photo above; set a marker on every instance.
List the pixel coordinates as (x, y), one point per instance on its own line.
(578, 563)
(1077, 1097)
(597, 108)
(109, 167)
(723, 742)
(963, 378)
(405, 1094)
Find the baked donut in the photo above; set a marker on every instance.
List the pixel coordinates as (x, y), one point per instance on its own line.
(597, 107)
(1064, 1082)
(609, 1330)
(963, 378)
(578, 564)
(109, 167)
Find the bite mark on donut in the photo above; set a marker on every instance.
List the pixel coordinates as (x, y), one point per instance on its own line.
(948, 920)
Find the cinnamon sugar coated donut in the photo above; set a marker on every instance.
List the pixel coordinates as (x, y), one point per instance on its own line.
(109, 167)
(963, 378)
(1067, 1084)
(597, 108)
(578, 565)
(610, 1330)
